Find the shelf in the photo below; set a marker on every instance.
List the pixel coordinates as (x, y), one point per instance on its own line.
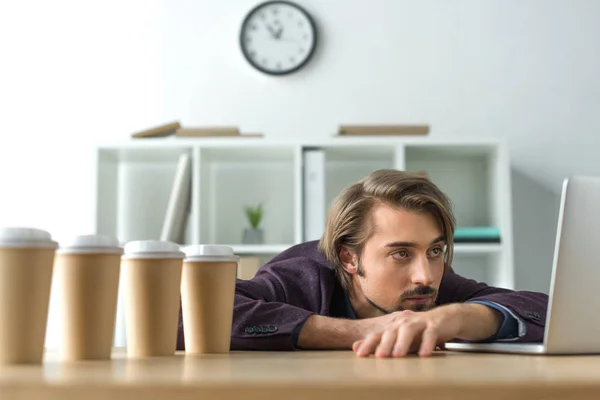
(465, 174)
(477, 248)
(241, 249)
(232, 178)
(358, 154)
(135, 179)
(248, 154)
(142, 154)
(134, 185)
(346, 165)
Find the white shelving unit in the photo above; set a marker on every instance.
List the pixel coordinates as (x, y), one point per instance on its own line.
(135, 178)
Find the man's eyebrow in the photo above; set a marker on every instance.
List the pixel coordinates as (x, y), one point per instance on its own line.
(413, 244)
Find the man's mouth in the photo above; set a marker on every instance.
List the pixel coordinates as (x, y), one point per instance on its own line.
(419, 299)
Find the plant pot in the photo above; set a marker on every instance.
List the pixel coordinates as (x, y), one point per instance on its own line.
(252, 236)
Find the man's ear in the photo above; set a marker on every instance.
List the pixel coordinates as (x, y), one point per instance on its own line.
(349, 260)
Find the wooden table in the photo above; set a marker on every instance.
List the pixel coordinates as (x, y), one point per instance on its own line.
(308, 375)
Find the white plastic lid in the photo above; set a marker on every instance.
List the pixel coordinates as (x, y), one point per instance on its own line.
(90, 244)
(26, 237)
(210, 252)
(152, 249)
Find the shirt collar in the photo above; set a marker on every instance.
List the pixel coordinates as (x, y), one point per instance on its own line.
(349, 310)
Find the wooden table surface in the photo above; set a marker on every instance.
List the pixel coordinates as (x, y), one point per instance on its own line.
(304, 375)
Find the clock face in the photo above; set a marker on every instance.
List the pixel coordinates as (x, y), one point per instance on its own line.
(278, 37)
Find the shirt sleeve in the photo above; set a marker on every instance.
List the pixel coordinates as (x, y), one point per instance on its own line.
(296, 333)
(512, 327)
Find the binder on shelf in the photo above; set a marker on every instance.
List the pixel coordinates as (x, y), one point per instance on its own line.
(178, 207)
(359, 130)
(208, 131)
(477, 234)
(314, 193)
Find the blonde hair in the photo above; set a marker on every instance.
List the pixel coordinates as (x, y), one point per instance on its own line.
(349, 220)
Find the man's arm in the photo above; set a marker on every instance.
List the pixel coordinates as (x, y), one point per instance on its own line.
(269, 308)
(478, 321)
(465, 321)
(264, 325)
(320, 332)
(528, 308)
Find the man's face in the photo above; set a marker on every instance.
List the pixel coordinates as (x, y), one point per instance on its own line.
(402, 263)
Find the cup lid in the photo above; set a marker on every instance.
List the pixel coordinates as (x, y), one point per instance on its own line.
(25, 237)
(152, 249)
(209, 252)
(90, 244)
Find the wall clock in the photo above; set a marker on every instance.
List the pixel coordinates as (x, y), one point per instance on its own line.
(278, 37)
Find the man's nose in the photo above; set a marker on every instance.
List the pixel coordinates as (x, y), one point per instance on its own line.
(421, 272)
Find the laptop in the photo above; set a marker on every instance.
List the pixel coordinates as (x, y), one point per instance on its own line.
(573, 319)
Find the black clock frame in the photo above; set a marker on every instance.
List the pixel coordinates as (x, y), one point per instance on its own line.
(258, 66)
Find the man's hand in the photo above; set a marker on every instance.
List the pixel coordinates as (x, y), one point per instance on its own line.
(400, 333)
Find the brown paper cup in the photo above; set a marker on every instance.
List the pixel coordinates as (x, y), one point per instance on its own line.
(152, 281)
(87, 271)
(207, 297)
(26, 264)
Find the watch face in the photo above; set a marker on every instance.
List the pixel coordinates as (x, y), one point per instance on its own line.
(278, 37)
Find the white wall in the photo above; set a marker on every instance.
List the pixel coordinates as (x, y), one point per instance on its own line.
(524, 70)
(74, 74)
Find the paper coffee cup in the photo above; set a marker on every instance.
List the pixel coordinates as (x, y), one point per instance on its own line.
(87, 272)
(207, 297)
(26, 264)
(152, 279)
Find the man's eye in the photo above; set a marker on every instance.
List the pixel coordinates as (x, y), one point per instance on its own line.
(436, 251)
(400, 254)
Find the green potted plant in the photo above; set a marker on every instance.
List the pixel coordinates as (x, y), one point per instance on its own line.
(253, 234)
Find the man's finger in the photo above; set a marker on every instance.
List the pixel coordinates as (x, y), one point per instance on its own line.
(428, 341)
(369, 345)
(388, 339)
(357, 344)
(407, 334)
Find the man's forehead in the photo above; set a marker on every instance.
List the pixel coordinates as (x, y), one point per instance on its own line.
(383, 217)
(388, 224)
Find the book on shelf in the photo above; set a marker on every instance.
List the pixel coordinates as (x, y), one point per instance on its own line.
(208, 131)
(178, 207)
(175, 128)
(404, 130)
(167, 129)
(314, 193)
(477, 234)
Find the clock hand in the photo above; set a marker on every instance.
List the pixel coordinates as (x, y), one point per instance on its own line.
(285, 38)
(279, 32)
(270, 29)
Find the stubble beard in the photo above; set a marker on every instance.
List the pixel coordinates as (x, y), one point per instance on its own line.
(418, 291)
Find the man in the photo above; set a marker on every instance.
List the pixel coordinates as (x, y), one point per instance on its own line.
(379, 282)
